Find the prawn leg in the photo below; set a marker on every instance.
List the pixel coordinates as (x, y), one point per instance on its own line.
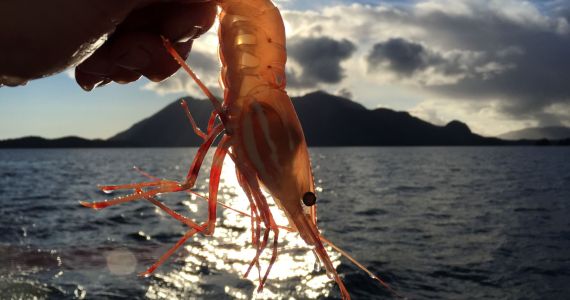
(171, 251)
(215, 173)
(273, 258)
(164, 186)
(255, 221)
(132, 197)
(270, 224)
(214, 177)
(212, 121)
(261, 203)
(218, 110)
(195, 229)
(195, 127)
(186, 67)
(260, 248)
(174, 214)
(128, 186)
(199, 158)
(145, 174)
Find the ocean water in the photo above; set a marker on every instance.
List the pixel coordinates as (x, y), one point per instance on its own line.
(433, 222)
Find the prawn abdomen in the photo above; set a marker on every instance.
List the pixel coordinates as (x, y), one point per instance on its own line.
(252, 46)
(271, 140)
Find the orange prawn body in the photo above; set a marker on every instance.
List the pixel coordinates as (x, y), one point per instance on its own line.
(265, 131)
(266, 134)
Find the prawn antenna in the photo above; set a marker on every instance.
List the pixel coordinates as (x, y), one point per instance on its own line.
(362, 267)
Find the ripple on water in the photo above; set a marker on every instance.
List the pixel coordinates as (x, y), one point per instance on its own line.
(32, 197)
(415, 189)
(530, 209)
(18, 288)
(371, 212)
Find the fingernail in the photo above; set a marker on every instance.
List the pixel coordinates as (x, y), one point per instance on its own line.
(103, 83)
(199, 31)
(87, 87)
(191, 34)
(136, 59)
(12, 81)
(155, 77)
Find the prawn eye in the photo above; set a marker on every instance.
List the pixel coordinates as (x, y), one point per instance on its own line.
(309, 199)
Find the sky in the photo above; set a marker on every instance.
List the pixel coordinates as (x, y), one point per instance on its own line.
(497, 65)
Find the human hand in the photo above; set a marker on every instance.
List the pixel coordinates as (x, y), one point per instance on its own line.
(120, 38)
(135, 48)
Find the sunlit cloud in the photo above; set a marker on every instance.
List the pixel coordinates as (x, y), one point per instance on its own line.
(318, 60)
(70, 73)
(414, 63)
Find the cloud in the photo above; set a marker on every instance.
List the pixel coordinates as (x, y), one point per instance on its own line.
(483, 117)
(319, 60)
(400, 55)
(344, 92)
(70, 73)
(528, 49)
(509, 56)
(415, 63)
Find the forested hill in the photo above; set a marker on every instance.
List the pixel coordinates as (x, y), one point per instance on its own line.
(327, 121)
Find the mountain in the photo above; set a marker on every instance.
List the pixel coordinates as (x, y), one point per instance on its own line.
(330, 121)
(169, 127)
(537, 133)
(327, 121)
(64, 142)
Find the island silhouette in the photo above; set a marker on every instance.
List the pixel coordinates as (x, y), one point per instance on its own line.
(327, 120)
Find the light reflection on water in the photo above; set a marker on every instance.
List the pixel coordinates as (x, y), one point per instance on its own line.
(214, 266)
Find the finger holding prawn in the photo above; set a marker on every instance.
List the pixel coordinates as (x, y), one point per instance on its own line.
(135, 48)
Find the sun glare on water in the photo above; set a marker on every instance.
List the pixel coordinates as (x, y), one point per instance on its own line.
(214, 266)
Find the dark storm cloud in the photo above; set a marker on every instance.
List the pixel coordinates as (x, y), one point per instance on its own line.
(408, 59)
(319, 59)
(400, 55)
(519, 59)
(540, 78)
(540, 58)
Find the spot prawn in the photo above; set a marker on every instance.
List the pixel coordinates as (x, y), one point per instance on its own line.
(257, 127)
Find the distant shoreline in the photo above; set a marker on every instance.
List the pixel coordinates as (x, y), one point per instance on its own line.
(81, 143)
(327, 121)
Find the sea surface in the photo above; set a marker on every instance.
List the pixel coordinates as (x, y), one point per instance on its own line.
(433, 222)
